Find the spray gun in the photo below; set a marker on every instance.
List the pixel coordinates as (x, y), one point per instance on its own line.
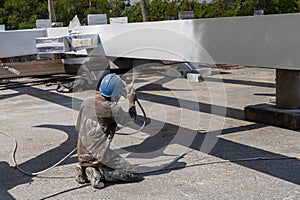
(12, 70)
(132, 94)
(132, 111)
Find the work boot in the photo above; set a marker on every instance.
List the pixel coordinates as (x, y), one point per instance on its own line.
(80, 175)
(113, 175)
(94, 177)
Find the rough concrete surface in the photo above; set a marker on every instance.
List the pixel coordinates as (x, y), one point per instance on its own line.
(196, 139)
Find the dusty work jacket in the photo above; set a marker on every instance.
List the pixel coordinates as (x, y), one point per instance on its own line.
(96, 126)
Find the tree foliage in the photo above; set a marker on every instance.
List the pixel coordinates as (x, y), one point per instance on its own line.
(21, 14)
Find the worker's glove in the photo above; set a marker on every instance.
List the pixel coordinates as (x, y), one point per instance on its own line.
(132, 98)
(132, 112)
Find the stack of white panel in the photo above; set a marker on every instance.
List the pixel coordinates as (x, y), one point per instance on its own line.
(48, 45)
(51, 45)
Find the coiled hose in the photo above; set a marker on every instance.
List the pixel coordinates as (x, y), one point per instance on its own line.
(30, 173)
(68, 155)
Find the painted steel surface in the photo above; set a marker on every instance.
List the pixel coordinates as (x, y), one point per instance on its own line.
(20, 42)
(264, 41)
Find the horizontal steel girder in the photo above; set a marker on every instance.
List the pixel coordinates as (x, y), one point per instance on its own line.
(265, 41)
(271, 41)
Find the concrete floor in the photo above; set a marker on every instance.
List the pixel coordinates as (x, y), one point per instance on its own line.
(195, 139)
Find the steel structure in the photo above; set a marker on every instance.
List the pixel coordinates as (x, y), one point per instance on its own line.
(271, 41)
(262, 41)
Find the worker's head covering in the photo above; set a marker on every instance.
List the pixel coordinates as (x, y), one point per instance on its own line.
(111, 86)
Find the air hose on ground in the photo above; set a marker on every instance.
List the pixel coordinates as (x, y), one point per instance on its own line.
(164, 169)
(35, 173)
(69, 154)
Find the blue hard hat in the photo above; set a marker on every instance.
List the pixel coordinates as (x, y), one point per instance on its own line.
(111, 85)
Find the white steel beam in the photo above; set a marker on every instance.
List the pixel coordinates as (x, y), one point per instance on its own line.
(264, 41)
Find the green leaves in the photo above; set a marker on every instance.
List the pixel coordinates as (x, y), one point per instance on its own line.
(17, 14)
(22, 14)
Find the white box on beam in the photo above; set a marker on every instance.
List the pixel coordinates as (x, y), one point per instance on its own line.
(118, 20)
(43, 23)
(2, 27)
(97, 19)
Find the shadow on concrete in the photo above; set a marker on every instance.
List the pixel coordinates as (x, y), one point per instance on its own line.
(52, 97)
(180, 103)
(224, 149)
(195, 106)
(52, 156)
(242, 82)
(283, 168)
(287, 170)
(265, 94)
(7, 96)
(65, 191)
(11, 176)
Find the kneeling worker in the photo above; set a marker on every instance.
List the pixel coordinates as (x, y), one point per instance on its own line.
(96, 126)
